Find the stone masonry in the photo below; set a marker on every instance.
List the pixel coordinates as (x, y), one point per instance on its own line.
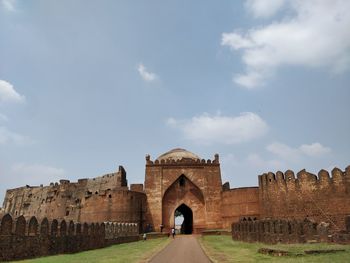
(181, 181)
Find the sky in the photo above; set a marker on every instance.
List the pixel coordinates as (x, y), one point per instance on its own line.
(86, 86)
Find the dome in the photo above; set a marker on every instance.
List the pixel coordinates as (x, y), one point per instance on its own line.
(178, 154)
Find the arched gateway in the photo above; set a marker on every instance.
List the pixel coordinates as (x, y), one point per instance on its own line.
(186, 197)
(187, 224)
(180, 180)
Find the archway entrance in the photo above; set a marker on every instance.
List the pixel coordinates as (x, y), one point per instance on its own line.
(187, 224)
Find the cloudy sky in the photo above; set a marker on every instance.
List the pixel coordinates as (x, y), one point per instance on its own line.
(86, 86)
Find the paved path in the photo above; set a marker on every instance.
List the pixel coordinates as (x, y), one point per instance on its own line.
(183, 249)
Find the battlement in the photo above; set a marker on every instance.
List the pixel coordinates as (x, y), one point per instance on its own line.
(286, 231)
(321, 197)
(183, 161)
(21, 238)
(305, 178)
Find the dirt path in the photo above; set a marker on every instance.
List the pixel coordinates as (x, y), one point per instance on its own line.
(184, 249)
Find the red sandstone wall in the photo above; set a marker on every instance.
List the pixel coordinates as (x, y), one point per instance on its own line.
(118, 205)
(204, 174)
(239, 202)
(321, 198)
(104, 198)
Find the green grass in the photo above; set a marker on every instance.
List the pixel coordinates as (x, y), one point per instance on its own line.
(139, 251)
(224, 249)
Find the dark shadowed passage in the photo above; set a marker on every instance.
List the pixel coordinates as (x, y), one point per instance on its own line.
(187, 224)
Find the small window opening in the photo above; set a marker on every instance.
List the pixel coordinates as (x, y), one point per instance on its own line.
(182, 181)
(109, 196)
(67, 213)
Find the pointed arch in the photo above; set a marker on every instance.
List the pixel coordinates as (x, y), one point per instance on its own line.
(183, 191)
(182, 182)
(44, 227)
(54, 228)
(20, 226)
(6, 225)
(63, 228)
(33, 226)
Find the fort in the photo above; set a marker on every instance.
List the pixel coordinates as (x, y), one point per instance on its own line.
(181, 181)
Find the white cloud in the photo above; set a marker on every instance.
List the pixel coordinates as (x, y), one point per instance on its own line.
(264, 8)
(145, 74)
(208, 129)
(8, 93)
(249, 80)
(283, 151)
(7, 136)
(313, 33)
(235, 41)
(314, 149)
(9, 5)
(257, 161)
(295, 154)
(34, 174)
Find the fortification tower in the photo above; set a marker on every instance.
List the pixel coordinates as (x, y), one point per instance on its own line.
(181, 180)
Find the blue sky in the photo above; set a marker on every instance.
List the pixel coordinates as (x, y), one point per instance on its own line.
(86, 86)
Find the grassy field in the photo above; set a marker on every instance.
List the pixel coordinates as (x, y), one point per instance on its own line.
(139, 251)
(224, 249)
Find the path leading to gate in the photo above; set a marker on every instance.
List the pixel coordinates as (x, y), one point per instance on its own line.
(184, 249)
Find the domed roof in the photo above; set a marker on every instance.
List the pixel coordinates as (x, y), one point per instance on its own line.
(178, 154)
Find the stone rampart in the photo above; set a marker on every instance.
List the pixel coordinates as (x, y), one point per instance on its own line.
(237, 203)
(320, 198)
(287, 231)
(21, 238)
(99, 199)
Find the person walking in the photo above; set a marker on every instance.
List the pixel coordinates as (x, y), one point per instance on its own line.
(173, 232)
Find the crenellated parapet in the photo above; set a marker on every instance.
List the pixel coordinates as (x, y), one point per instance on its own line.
(322, 197)
(287, 231)
(21, 238)
(305, 180)
(183, 161)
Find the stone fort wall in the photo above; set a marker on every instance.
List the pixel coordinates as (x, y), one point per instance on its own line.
(288, 231)
(322, 198)
(100, 199)
(238, 203)
(21, 238)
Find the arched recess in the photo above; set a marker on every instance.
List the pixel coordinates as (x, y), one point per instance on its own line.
(6, 225)
(44, 227)
(187, 224)
(20, 226)
(183, 191)
(54, 228)
(33, 226)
